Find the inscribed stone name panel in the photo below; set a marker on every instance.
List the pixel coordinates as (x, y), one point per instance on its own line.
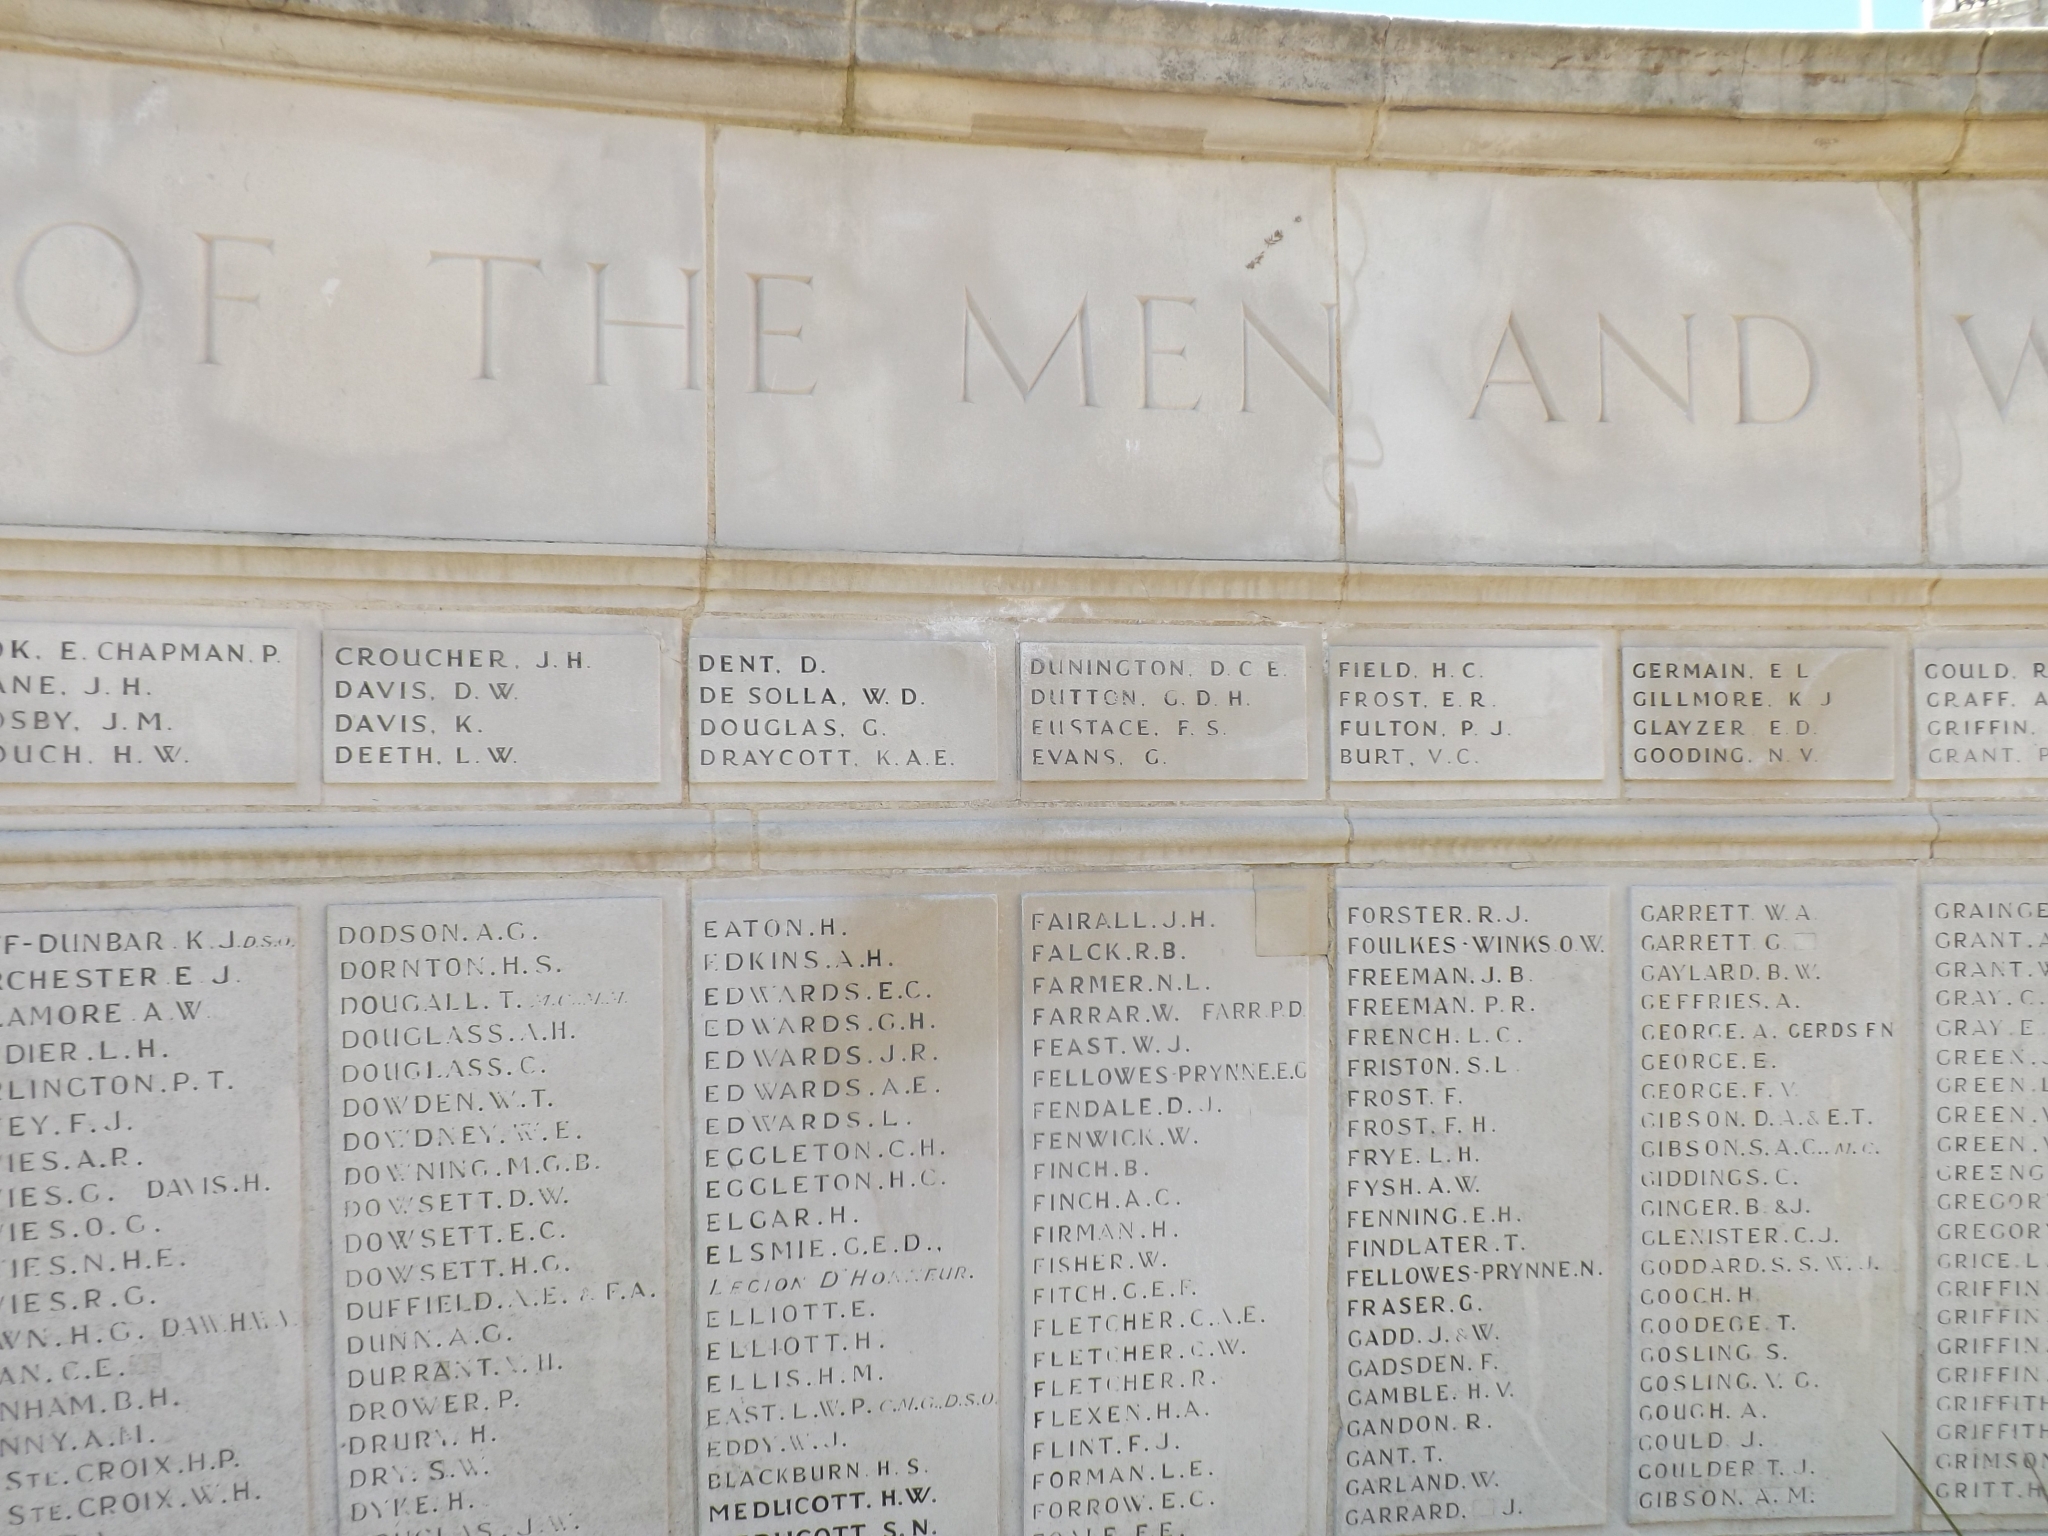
(495, 1141)
(307, 310)
(1771, 1032)
(1402, 713)
(848, 1210)
(1474, 1190)
(1980, 713)
(1739, 712)
(1983, 246)
(1986, 952)
(1128, 712)
(147, 704)
(1547, 369)
(156, 1351)
(526, 706)
(784, 709)
(930, 347)
(1171, 1270)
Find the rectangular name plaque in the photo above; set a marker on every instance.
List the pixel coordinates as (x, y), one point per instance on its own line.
(1735, 712)
(1986, 1244)
(1168, 1232)
(1467, 712)
(147, 704)
(155, 1316)
(1475, 1228)
(848, 1209)
(1096, 711)
(496, 1102)
(1980, 712)
(795, 711)
(1766, 1197)
(497, 707)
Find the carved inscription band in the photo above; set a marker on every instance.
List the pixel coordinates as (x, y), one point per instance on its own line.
(557, 711)
(1008, 1204)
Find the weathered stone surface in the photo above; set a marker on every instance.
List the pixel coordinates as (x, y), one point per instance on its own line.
(494, 1114)
(868, 1274)
(1477, 1244)
(1197, 1232)
(1794, 1215)
(1715, 712)
(155, 1323)
(772, 710)
(524, 706)
(146, 704)
(307, 312)
(1638, 372)
(1126, 711)
(823, 1020)
(1468, 713)
(1019, 374)
(1981, 940)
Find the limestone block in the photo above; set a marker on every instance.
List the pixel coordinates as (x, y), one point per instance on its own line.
(770, 710)
(1007, 351)
(1548, 369)
(155, 1319)
(1131, 712)
(1987, 370)
(495, 1133)
(299, 310)
(848, 1244)
(148, 704)
(1775, 1012)
(1198, 1224)
(1532, 712)
(1982, 943)
(1980, 713)
(1473, 1028)
(456, 707)
(1712, 712)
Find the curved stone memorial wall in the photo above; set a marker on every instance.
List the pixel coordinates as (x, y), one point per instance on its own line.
(966, 770)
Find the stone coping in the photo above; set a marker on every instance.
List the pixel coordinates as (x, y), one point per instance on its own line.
(1156, 76)
(1355, 60)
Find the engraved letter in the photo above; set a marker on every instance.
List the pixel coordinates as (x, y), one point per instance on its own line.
(763, 330)
(1084, 351)
(486, 358)
(116, 333)
(210, 296)
(1152, 402)
(2002, 398)
(1609, 333)
(1745, 412)
(687, 325)
(1533, 379)
(1325, 392)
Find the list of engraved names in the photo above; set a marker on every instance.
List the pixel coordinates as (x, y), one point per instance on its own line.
(134, 704)
(847, 1215)
(1473, 1098)
(1766, 1247)
(151, 1344)
(1168, 1248)
(498, 1214)
(785, 711)
(1985, 981)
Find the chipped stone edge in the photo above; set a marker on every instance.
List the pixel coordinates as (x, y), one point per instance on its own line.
(1152, 76)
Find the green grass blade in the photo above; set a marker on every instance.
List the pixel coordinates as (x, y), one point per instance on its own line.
(1939, 1506)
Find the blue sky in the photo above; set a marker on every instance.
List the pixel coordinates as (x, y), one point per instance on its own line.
(1747, 15)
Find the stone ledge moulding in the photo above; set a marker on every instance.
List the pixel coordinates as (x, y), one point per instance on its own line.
(1071, 768)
